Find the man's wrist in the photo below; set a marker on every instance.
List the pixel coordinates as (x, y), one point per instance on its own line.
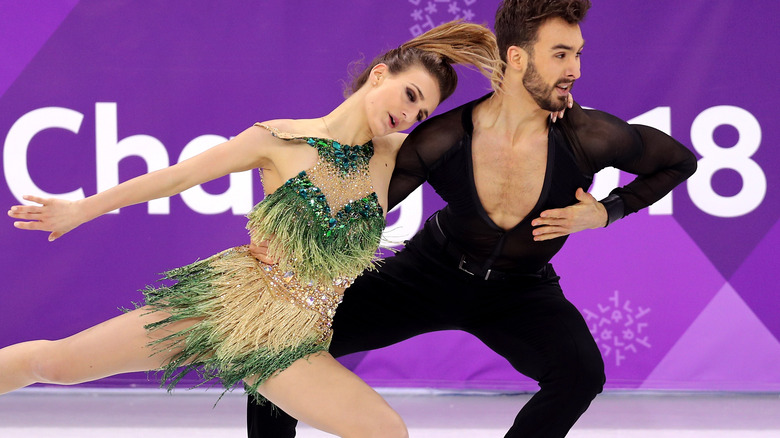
(615, 208)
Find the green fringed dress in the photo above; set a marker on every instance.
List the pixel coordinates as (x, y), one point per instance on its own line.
(324, 227)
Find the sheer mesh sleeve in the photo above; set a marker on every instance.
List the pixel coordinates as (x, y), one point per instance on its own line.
(426, 147)
(601, 140)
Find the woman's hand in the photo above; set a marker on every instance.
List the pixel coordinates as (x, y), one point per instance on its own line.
(559, 114)
(55, 215)
(260, 252)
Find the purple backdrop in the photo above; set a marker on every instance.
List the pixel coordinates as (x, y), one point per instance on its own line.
(683, 296)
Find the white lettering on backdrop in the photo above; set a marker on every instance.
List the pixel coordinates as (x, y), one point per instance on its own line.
(238, 199)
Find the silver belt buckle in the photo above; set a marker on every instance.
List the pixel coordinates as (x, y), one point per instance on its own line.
(460, 265)
(463, 260)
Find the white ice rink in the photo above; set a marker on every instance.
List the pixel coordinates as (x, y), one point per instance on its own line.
(80, 413)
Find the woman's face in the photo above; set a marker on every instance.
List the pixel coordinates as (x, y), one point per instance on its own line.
(397, 101)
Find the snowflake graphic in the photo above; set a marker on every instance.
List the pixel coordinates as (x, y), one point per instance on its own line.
(618, 328)
(427, 14)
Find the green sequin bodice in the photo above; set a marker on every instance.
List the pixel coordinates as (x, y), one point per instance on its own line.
(324, 224)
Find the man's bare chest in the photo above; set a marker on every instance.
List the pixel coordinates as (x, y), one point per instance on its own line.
(508, 178)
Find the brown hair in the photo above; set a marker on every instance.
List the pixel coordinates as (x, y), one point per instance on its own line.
(518, 21)
(455, 42)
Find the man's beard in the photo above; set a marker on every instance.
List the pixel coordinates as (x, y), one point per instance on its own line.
(541, 92)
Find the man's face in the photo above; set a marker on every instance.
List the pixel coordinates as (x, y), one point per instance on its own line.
(554, 64)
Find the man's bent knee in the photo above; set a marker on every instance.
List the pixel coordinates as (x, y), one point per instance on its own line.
(590, 379)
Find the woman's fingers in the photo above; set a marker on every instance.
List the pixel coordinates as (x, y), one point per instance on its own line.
(24, 214)
(18, 211)
(37, 199)
(28, 212)
(28, 225)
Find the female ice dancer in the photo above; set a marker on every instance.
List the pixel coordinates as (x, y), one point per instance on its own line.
(235, 319)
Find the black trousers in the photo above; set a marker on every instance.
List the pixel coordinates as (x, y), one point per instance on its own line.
(524, 318)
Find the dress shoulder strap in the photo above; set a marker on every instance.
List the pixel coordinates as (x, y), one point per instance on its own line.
(279, 134)
(327, 147)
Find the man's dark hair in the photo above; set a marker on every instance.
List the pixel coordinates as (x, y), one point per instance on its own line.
(518, 21)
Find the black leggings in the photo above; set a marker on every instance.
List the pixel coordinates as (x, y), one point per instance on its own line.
(525, 319)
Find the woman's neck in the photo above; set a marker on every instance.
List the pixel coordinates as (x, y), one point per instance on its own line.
(347, 123)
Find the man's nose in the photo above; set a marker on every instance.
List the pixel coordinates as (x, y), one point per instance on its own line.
(574, 69)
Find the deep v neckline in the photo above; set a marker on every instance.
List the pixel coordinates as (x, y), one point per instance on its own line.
(468, 126)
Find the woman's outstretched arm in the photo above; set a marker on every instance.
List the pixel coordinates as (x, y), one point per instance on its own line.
(246, 151)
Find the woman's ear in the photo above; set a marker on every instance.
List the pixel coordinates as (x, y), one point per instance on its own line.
(378, 72)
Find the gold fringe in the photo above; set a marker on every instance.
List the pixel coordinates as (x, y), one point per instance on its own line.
(250, 312)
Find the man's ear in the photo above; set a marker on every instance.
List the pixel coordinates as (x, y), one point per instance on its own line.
(517, 58)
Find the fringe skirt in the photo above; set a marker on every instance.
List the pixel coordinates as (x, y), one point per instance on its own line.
(253, 319)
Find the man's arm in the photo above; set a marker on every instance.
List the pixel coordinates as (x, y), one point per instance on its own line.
(601, 140)
(411, 170)
(660, 162)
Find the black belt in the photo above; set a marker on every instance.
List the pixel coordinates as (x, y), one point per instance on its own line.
(466, 264)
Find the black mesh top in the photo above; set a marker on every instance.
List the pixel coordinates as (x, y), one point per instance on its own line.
(580, 144)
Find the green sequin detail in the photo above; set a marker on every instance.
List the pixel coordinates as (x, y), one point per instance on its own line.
(321, 245)
(365, 208)
(345, 157)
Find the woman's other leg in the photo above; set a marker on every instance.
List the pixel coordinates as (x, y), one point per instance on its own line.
(322, 393)
(405, 297)
(119, 345)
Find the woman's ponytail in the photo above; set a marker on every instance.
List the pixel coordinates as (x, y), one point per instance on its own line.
(436, 50)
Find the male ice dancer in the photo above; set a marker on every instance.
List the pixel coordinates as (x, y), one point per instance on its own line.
(514, 187)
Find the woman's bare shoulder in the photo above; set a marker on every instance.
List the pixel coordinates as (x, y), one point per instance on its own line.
(389, 143)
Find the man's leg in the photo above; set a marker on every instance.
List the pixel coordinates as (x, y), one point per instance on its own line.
(264, 420)
(545, 337)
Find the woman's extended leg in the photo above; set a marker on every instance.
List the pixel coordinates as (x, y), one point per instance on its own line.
(322, 393)
(119, 345)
